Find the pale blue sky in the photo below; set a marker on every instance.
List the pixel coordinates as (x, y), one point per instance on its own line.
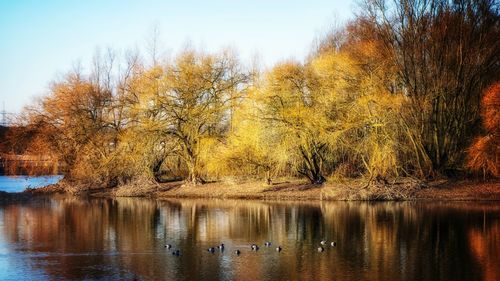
(42, 39)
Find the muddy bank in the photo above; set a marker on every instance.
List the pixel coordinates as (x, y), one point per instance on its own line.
(291, 190)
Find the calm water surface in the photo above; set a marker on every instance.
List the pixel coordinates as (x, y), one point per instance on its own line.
(20, 183)
(75, 239)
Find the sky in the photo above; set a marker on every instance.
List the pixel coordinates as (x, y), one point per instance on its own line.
(41, 40)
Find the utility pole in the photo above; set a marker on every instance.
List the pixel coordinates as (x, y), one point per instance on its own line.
(4, 115)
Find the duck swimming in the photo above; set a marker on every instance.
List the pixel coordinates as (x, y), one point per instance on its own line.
(237, 252)
(168, 246)
(278, 249)
(321, 249)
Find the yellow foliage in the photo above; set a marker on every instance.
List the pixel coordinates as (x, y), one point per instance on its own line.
(199, 117)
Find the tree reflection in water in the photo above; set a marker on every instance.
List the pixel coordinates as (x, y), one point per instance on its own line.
(73, 238)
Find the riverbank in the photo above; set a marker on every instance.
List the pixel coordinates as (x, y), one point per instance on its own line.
(406, 189)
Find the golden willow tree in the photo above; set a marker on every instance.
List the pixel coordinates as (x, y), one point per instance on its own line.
(189, 104)
(144, 138)
(252, 147)
(290, 97)
(318, 118)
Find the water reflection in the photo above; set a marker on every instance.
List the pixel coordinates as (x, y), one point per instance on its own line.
(124, 239)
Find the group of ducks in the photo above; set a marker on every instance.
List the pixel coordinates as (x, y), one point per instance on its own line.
(254, 247)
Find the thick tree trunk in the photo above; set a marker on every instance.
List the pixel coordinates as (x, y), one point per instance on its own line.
(156, 169)
(194, 176)
(312, 167)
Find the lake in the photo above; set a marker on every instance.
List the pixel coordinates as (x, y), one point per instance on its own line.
(20, 183)
(68, 238)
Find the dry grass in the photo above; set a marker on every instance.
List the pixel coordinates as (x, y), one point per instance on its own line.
(136, 188)
(405, 189)
(62, 187)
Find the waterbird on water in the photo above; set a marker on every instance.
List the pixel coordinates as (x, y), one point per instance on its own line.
(333, 244)
(237, 252)
(321, 249)
(221, 247)
(176, 253)
(278, 249)
(267, 244)
(323, 242)
(211, 249)
(168, 246)
(255, 247)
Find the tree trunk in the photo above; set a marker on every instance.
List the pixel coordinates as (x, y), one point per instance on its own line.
(312, 167)
(268, 177)
(194, 177)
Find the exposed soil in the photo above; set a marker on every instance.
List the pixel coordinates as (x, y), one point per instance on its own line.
(405, 189)
(461, 190)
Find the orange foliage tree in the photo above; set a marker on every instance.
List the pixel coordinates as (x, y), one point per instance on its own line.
(483, 153)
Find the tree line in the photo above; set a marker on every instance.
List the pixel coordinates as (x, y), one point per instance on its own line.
(394, 92)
